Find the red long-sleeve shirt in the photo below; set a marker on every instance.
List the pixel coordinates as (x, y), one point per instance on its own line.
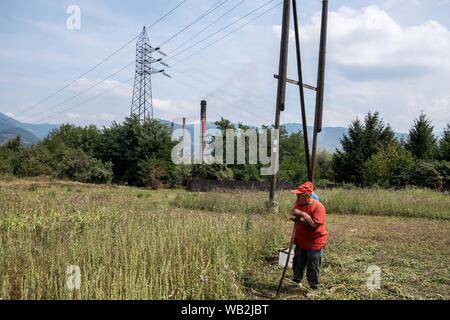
(306, 237)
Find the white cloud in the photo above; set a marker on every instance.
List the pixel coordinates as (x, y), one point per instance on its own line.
(371, 40)
(375, 63)
(73, 116)
(171, 110)
(99, 117)
(81, 118)
(163, 105)
(277, 30)
(117, 88)
(390, 4)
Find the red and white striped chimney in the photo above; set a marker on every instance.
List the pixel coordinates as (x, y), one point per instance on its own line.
(203, 123)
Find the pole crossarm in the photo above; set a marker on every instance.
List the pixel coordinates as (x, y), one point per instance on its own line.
(298, 83)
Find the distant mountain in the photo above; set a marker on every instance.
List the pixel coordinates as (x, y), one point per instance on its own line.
(11, 133)
(40, 130)
(8, 122)
(329, 138)
(30, 133)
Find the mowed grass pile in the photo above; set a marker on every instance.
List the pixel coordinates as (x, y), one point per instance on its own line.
(408, 202)
(128, 243)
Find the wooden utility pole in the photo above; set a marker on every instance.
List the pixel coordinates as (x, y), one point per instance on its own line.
(281, 91)
(301, 90)
(320, 83)
(282, 80)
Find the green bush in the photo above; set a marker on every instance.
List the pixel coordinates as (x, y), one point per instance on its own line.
(34, 161)
(324, 167)
(389, 167)
(443, 167)
(214, 171)
(323, 183)
(8, 155)
(129, 145)
(77, 165)
(179, 175)
(6, 167)
(425, 174)
(98, 172)
(152, 172)
(84, 138)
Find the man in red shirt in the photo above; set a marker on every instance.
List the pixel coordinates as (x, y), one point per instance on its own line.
(310, 237)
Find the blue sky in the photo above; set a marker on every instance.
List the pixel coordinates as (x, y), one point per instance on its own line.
(390, 56)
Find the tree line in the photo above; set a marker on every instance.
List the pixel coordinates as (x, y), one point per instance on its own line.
(372, 156)
(139, 154)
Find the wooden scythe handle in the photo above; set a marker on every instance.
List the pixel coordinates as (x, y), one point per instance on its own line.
(291, 243)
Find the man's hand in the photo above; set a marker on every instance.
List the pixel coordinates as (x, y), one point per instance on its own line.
(304, 218)
(301, 214)
(297, 213)
(308, 220)
(297, 219)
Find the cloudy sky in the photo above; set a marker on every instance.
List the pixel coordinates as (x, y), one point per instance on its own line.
(390, 56)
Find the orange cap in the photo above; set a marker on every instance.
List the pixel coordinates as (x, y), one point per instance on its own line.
(306, 188)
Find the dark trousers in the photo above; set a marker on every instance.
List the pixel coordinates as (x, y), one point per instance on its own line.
(309, 260)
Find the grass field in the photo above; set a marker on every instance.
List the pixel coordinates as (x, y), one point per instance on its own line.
(137, 244)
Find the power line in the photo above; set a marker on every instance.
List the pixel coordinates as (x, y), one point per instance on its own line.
(231, 32)
(165, 16)
(209, 25)
(218, 98)
(88, 100)
(78, 78)
(225, 27)
(240, 27)
(98, 64)
(82, 92)
(248, 102)
(235, 30)
(228, 93)
(209, 75)
(202, 16)
(229, 83)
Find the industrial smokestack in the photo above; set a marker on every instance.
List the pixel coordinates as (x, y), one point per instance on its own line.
(203, 105)
(184, 127)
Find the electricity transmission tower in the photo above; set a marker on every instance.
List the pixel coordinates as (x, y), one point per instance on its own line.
(142, 102)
